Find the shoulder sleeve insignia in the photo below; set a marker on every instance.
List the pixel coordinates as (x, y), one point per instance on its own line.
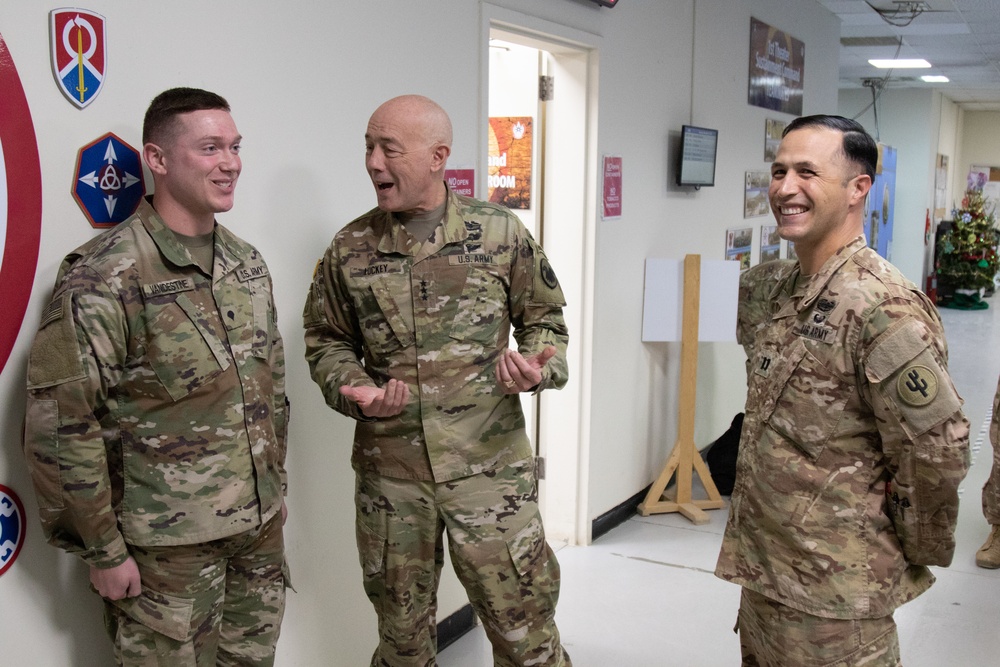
(917, 385)
(547, 274)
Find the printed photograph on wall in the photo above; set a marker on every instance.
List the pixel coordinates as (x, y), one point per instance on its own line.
(772, 137)
(509, 177)
(777, 69)
(770, 243)
(755, 194)
(738, 246)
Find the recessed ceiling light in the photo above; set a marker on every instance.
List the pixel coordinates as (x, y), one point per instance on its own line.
(931, 78)
(900, 64)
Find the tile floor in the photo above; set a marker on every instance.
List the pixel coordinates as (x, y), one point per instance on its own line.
(644, 594)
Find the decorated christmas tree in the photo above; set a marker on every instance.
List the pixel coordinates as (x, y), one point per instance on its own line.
(967, 253)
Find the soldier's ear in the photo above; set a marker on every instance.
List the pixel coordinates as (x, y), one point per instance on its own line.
(155, 158)
(439, 156)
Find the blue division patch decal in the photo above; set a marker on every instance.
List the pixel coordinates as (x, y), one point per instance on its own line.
(12, 527)
(108, 184)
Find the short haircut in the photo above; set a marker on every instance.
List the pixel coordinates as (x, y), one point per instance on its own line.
(858, 145)
(161, 116)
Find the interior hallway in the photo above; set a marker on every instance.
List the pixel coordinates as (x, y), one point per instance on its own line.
(644, 594)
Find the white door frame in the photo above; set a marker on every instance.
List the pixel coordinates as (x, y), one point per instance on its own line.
(570, 214)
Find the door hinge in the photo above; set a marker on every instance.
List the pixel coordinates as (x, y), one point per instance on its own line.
(546, 88)
(540, 467)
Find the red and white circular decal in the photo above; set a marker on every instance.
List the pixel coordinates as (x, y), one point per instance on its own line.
(20, 203)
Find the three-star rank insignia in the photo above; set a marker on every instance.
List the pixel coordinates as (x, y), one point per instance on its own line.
(108, 183)
(917, 386)
(79, 53)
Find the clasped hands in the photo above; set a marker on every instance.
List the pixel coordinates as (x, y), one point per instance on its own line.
(514, 372)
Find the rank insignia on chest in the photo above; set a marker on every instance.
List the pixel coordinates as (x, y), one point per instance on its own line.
(817, 332)
(763, 367)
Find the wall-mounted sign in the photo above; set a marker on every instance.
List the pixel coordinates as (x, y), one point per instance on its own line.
(108, 184)
(777, 69)
(461, 181)
(509, 178)
(20, 203)
(12, 525)
(612, 197)
(79, 53)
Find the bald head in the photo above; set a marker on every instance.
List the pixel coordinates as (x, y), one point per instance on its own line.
(407, 145)
(422, 116)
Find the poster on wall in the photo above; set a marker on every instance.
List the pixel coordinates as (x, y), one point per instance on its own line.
(20, 203)
(772, 137)
(79, 53)
(770, 243)
(738, 245)
(755, 194)
(612, 198)
(881, 203)
(986, 179)
(940, 187)
(509, 178)
(777, 69)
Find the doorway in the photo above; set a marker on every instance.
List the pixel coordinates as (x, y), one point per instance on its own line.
(561, 215)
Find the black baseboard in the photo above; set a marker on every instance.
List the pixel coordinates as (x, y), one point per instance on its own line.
(617, 515)
(454, 626)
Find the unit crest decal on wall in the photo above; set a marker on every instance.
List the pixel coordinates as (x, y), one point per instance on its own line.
(108, 183)
(79, 53)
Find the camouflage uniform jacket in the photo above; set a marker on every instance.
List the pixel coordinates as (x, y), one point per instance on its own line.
(853, 445)
(156, 411)
(437, 316)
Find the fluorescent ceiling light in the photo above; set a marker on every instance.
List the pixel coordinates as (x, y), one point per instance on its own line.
(934, 79)
(900, 64)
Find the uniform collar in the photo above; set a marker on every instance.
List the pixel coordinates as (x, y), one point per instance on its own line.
(396, 240)
(818, 282)
(227, 250)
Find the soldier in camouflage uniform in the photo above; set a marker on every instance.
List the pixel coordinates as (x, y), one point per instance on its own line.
(407, 324)
(989, 555)
(156, 411)
(854, 442)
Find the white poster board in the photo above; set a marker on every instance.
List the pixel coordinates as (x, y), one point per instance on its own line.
(663, 300)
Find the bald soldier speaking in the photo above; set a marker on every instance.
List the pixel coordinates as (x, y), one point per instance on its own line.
(407, 326)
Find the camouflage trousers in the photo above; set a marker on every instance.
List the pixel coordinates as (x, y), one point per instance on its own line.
(775, 635)
(498, 549)
(202, 605)
(991, 490)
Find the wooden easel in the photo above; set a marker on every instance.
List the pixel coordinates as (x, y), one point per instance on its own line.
(684, 458)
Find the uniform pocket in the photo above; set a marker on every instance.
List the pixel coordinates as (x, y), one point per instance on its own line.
(41, 449)
(168, 615)
(385, 327)
(810, 406)
(183, 355)
(481, 308)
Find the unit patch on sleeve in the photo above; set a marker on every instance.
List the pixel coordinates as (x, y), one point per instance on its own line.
(917, 385)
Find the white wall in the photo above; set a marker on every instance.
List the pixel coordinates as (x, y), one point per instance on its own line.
(909, 120)
(303, 78)
(980, 146)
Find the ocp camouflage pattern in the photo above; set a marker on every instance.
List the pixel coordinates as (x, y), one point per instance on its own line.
(156, 417)
(991, 490)
(437, 316)
(853, 445)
